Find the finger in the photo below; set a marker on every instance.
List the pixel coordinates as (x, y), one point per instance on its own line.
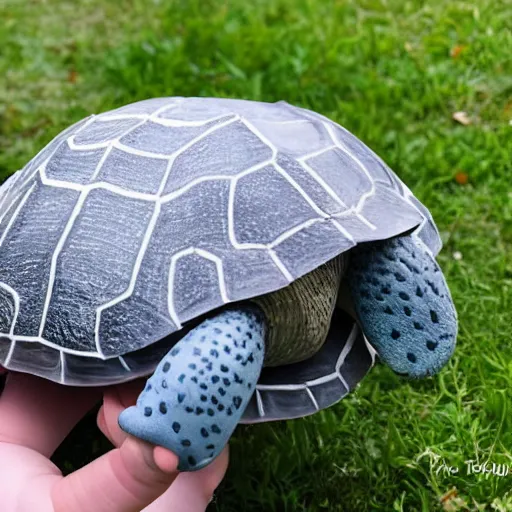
(193, 491)
(39, 414)
(126, 479)
(107, 418)
(115, 400)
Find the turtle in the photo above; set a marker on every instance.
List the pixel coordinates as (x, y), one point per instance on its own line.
(251, 259)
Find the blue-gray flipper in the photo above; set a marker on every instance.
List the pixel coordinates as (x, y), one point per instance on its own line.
(199, 391)
(403, 304)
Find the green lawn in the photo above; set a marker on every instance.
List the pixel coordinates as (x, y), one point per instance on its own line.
(393, 72)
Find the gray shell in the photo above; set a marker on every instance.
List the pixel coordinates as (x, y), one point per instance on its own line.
(133, 223)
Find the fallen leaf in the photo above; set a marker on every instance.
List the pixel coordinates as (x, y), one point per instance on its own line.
(451, 502)
(457, 50)
(72, 76)
(462, 118)
(461, 178)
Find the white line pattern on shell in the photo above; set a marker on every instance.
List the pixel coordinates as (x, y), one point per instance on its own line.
(172, 271)
(349, 344)
(8, 357)
(5, 188)
(62, 359)
(15, 214)
(16, 299)
(124, 364)
(341, 147)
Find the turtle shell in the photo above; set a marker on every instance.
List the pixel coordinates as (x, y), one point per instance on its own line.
(131, 225)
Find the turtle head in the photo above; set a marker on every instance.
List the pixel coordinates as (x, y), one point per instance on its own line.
(403, 304)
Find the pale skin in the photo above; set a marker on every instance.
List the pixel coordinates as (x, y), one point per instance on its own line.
(35, 417)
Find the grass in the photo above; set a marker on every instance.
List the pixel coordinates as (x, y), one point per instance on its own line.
(393, 72)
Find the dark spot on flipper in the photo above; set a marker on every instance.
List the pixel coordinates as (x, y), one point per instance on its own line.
(166, 367)
(399, 277)
(191, 460)
(175, 351)
(215, 379)
(434, 317)
(148, 412)
(431, 345)
(215, 429)
(432, 286)
(224, 368)
(395, 334)
(446, 336)
(176, 427)
(403, 296)
(237, 401)
(220, 407)
(181, 378)
(204, 359)
(163, 407)
(186, 442)
(407, 310)
(181, 397)
(227, 349)
(189, 409)
(388, 310)
(203, 386)
(418, 326)
(419, 292)
(199, 411)
(217, 330)
(197, 351)
(148, 387)
(222, 391)
(386, 290)
(210, 447)
(249, 335)
(192, 366)
(379, 297)
(164, 384)
(229, 412)
(203, 398)
(204, 432)
(214, 353)
(365, 294)
(215, 400)
(194, 379)
(411, 357)
(210, 412)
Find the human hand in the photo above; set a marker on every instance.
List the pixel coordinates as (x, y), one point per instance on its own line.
(36, 415)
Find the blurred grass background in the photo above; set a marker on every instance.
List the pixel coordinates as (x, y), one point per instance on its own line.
(392, 72)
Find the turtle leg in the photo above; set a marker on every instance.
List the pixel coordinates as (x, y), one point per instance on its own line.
(403, 304)
(199, 391)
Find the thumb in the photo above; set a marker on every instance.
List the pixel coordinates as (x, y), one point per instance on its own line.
(126, 479)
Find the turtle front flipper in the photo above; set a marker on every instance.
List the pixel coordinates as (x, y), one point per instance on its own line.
(403, 304)
(199, 391)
